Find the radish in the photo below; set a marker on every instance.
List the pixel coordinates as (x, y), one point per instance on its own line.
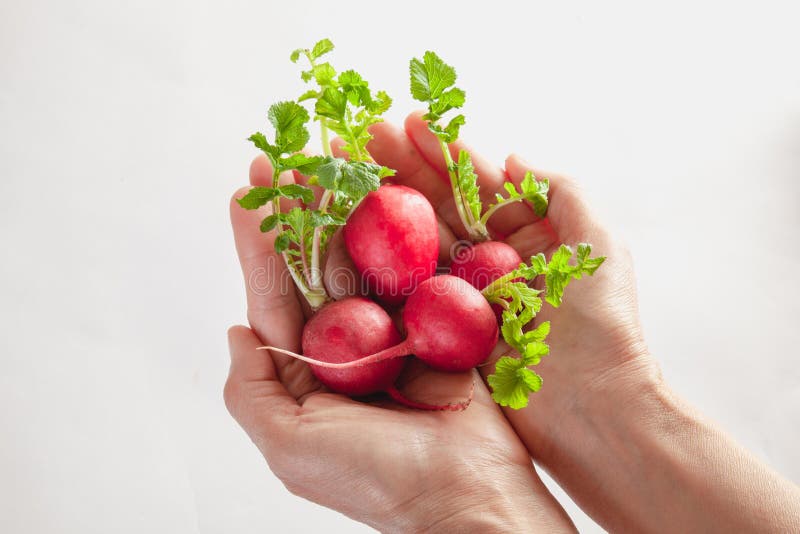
(347, 330)
(393, 239)
(484, 263)
(451, 327)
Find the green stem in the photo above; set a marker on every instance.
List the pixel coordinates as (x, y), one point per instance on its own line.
(312, 295)
(477, 232)
(326, 144)
(354, 141)
(492, 209)
(490, 291)
(316, 268)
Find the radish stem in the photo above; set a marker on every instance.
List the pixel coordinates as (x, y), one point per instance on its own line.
(401, 349)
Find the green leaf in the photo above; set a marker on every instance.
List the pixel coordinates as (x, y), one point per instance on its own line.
(512, 382)
(296, 218)
(359, 178)
(289, 119)
(269, 223)
(559, 272)
(331, 104)
(297, 191)
(324, 73)
(329, 172)
(453, 98)
(260, 141)
(295, 55)
(430, 77)
(257, 197)
(535, 192)
(380, 103)
(283, 241)
(352, 178)
(449, 133)
(317, 218)
(308, 95)
(540, 332)
(321, 47)
(304, 164)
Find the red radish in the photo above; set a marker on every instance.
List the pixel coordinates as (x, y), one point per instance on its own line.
(347, 330)
(393, 239)
(485, 262)
(482, 264)
(450, 326)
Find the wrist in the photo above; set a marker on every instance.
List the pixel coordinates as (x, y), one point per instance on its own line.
(486, 498)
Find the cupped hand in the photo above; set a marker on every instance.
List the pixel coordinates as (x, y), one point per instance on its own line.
(598, 360)
(390, 467)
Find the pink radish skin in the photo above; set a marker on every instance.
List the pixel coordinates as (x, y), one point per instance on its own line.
(393, 240)
(482, 264)
(450, 326)
(347, 330)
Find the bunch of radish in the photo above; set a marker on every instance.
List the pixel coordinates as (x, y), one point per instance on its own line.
(451, 322)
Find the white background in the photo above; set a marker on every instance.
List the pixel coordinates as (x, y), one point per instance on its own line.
(122, 136)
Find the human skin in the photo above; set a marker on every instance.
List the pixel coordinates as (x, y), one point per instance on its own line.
(396, 469)
(606, 427)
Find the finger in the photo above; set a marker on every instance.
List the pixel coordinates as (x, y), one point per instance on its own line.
(337, 147)
(253, 394)
(340, 275)
(391, 146)
(273, 309)
(490, 177)
(532, 239)
(569, 215)
(261, 175)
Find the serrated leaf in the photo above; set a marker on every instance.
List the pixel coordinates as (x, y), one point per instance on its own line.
(324, 73)
(260, 141)
(559, 272)
(297, 191)
(257, 197)
(289, 119)
(535, 191)
(359, 178)
(304, 164)
(331, 104)
(308, 95)
(350, 79)
(282, 242)
(295, 55)
(269, 223)
(539, 333)
(380, 103)
(533, 351)
(317, 218)
(430, 77)
(329, 172)
(323, 46)
(512, 382)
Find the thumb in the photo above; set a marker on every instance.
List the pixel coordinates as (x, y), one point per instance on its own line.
(570, 217)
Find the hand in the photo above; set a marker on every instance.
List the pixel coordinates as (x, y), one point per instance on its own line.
(598, 361)
(393, 468)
